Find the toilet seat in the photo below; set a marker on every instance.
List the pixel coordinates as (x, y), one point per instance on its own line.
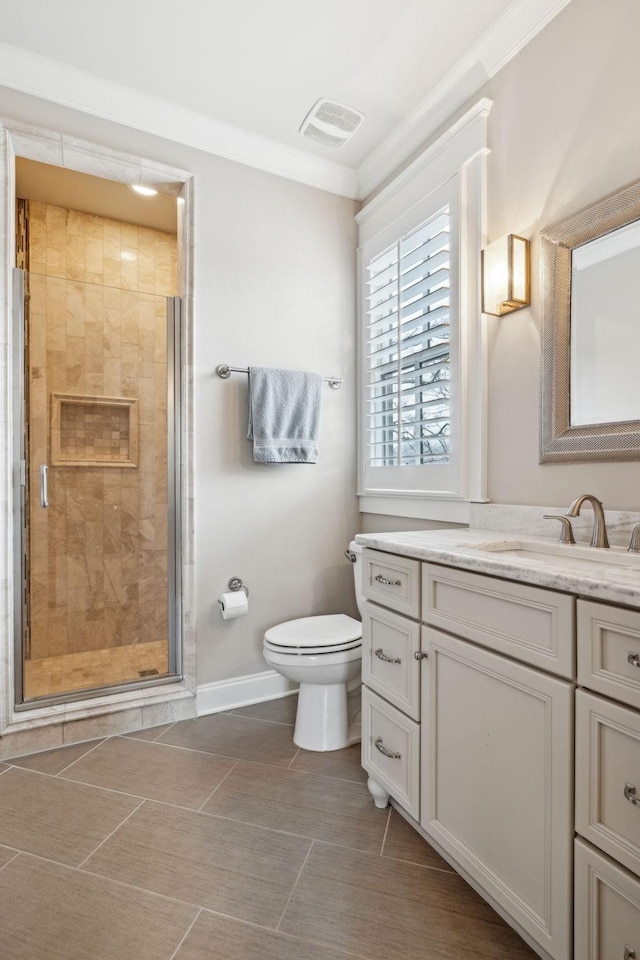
(308, 651)
(315, 634)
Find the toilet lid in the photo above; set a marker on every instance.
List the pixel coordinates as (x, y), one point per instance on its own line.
(325, 631)
(307, 651)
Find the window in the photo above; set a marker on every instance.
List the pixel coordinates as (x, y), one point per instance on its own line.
(422, 412)
(407, 331)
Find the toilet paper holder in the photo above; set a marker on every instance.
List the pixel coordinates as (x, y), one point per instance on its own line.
(235, 584)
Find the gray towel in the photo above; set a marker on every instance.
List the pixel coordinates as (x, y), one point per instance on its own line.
(284, 415)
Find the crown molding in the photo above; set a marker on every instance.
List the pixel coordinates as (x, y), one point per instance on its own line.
(468, 134)
(519, 24)
(52, 80)
(49, 79)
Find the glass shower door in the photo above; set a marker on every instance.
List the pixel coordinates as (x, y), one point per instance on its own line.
(99, 542)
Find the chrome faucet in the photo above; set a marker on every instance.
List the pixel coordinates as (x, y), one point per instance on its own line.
(599, 536)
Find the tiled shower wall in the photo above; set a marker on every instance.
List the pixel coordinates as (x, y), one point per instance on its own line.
(98, 554)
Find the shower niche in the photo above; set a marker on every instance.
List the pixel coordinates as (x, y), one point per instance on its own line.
(93, 431)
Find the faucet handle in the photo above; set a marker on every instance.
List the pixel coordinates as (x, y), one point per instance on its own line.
(566, 531)
(634, 543)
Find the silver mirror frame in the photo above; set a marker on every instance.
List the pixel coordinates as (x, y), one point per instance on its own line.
(559, 441)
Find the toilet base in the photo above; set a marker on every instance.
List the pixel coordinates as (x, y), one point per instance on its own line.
(321, 718)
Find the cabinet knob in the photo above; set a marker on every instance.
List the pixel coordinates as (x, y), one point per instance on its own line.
(633, 658)
(630, 794)
(382, 656)
(420, 655)
(392, 754)
(388, 583)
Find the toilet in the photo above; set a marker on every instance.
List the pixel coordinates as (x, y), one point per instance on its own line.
(324, 655)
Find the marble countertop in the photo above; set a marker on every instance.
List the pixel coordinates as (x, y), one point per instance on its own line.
(578, 570)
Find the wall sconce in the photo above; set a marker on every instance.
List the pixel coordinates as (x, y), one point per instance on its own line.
(505, 276)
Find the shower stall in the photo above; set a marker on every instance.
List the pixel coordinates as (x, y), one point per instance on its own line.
(96, 433)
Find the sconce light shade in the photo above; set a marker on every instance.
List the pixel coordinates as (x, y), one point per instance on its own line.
(505, 276)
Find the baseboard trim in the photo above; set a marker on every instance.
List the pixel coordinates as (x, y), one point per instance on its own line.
(241, 691)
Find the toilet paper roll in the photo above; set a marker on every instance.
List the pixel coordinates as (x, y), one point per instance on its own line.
(234, 605)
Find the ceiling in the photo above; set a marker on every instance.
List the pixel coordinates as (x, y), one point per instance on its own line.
(104, 198)
(258, 67)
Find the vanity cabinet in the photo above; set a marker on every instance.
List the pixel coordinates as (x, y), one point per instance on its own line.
(469, 735)
(607, 868)
(509, 720)
(496, 776)
(391, 702)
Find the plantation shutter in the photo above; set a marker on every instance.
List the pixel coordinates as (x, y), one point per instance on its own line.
(408, 349)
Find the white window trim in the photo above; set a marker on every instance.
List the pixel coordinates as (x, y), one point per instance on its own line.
(461, 151)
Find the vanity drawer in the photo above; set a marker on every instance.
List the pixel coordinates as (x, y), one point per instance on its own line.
(387, 731)
(608, 777)
(389, 642)
(607, 908)
(528, 623)
(609, 651)
(392, 581)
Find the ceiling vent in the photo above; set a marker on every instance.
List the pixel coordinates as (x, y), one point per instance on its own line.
(330, 124)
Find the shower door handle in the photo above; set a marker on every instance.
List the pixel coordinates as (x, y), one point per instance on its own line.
(44, 485)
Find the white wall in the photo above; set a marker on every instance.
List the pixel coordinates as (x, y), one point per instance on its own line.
(563, 132)
(275, 286)
(279, 291)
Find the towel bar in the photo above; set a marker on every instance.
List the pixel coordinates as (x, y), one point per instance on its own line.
(224, 370)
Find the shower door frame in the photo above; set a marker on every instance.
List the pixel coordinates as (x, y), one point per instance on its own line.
(21, 531)
(153, 700)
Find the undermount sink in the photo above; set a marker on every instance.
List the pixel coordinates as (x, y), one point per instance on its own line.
(563, 554)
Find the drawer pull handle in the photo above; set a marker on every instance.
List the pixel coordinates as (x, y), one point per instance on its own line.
(633, 658)
(629, 952)
(383, 750)
(420, 655)
(382, 656)
(388, 583)
(630, 794)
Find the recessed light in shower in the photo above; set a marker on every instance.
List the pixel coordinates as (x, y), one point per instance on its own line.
(128, 255)
(143, 191)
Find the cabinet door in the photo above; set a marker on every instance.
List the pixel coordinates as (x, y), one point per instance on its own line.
(497, 759)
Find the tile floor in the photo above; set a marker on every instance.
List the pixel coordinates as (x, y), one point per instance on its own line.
(49, 676)
(217, 839)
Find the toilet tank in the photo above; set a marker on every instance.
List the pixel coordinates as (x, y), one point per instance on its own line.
(355, 549)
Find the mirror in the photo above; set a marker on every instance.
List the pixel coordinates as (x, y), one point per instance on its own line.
(590, 285)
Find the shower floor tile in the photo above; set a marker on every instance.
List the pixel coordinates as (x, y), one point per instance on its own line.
(50, 676)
